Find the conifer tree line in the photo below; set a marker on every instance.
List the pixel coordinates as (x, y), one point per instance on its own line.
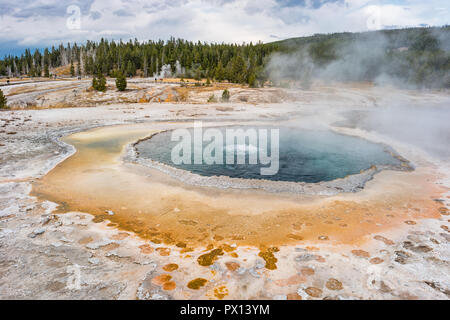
(231, 62)
(416, 56)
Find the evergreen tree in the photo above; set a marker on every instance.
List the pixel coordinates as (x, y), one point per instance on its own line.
(226, 95)
(252, 80)
(131, 69)
(95, 83)
(3, 101)
(239, 70)
(72, 69)
(99, 82)
(220, 72)
(212, 98)
(121, 82)
(46, 71)
(198, 74)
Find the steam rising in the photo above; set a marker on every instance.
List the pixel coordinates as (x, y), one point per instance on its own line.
(166, 71)
(410, 58)
(424, 125)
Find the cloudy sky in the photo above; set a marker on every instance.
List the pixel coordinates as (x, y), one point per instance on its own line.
(41, 23)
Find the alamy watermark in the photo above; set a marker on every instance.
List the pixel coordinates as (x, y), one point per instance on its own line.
(209, 146)
(73, 22)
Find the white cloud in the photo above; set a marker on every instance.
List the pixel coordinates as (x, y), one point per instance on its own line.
(43, 22)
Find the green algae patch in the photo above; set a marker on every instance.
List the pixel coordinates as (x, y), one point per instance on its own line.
(208, 259)
(269, 258)
(197, 283)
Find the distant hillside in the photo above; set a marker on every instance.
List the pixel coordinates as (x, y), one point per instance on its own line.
(410, 57)
(397, 37)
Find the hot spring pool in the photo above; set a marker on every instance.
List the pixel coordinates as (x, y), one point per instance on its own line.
(304, 156)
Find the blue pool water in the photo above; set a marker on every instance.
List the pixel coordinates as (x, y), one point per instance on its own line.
(304, 156)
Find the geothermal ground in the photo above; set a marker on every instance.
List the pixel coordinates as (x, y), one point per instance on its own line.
(81, 217)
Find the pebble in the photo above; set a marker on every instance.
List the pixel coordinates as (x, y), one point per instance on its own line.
(241, 271)
(259, 264)
(94, 261)
(334, 284)
(170, 267)
(384, 240)
(361, 253)
(161, 279)
(313, 292)
(36, 232)
(445, 235)
(294, 296)
(169, 286)
(232, 266)
(157, 296)
(163, 251)
(376, 260)
(254, 273)
(401, 257)
(146, 249)
(96, 245)
(215, 267)
(306, 271)
(45, 219)
(305, 257)
(64, 239)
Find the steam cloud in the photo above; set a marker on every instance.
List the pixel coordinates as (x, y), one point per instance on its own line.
(391, 58)
(410, 58)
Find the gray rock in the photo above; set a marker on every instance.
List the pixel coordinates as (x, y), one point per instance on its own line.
(259, 264)
(254, 273)
(241, 271)
(94, 261)
(305, 257)
(96, 245)
(36, 232)
(158, 296)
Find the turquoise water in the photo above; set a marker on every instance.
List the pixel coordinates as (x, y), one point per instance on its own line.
(304, 156)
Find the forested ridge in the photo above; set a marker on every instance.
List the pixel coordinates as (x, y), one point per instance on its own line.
(413, 56)
(416, 55)
(175, 57)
